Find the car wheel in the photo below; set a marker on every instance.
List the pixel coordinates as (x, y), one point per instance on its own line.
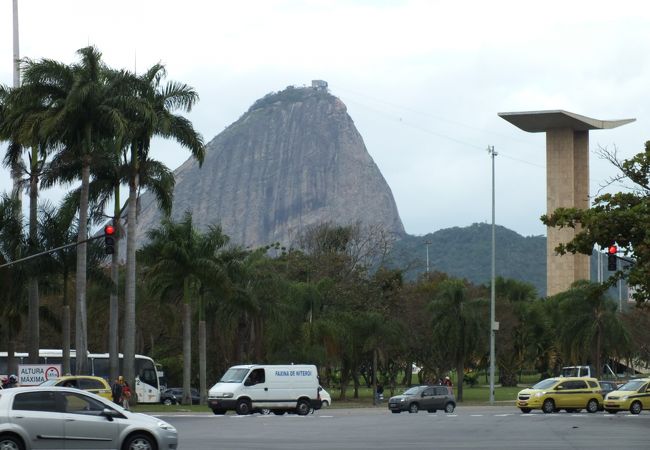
(243, 407)
(219, 412)
(413, 408)
(265, 411)
(548, 406)
(167, 402)
(611, 411)
(8, 442)
(324, 404)
(449, 408)
(303, 408)
(592, 406)
(635, 407)
(525, 410)
(278, 412)
(139, 442)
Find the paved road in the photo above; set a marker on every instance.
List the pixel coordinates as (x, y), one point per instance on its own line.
(468, 428)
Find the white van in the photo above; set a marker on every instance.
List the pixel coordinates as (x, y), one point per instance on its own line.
(249, 388)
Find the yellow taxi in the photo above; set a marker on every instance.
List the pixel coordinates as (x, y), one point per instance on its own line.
(633, 396)
(96, 385)
(568, 393)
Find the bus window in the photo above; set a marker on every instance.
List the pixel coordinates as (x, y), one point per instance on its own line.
(101, 367)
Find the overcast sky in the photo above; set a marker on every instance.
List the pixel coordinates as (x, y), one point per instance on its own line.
(422, 80)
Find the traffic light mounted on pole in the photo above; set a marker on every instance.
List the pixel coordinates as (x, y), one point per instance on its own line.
(109, 239)
(611, 258)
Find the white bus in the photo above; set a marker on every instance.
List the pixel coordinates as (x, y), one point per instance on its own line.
(147, 385)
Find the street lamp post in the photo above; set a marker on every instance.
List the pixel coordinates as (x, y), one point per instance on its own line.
(493, 323)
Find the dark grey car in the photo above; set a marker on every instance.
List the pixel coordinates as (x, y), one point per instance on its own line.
(428, 398)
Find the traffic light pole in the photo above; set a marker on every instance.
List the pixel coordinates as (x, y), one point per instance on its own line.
(47, 252)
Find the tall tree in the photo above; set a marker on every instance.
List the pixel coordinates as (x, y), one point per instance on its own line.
(178, 262)
(82, 109)
(151, 116)
(457, 321)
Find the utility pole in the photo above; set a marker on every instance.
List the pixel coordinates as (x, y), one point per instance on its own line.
(427, 243)
(15, 173)
(493, 323)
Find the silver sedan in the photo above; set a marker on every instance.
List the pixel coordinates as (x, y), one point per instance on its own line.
(68, 418)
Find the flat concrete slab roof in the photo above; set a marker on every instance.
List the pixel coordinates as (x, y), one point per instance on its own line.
(538, 121)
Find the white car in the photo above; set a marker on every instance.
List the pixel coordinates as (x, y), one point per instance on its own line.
(63, 418)
(325, 398)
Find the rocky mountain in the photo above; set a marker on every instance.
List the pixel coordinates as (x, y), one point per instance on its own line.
(293, 159)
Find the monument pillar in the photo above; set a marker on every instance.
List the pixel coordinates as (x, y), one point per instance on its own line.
(567, 182)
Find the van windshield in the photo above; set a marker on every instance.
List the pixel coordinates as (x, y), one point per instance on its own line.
(234, 376)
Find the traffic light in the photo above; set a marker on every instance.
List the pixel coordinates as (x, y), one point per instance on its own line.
(611, 257)
(109, 239)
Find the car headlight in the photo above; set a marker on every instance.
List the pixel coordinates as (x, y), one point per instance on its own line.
(225, 395)
(166, 426)
(402, 399)
(625, 397)
(539, 394)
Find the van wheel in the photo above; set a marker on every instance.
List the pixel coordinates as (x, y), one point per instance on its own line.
(635, 407)
(303, 408)
(243, 407)
(263, 411)
(449, 408)
(9, 442)
(413, 408)
(548, 406)
(592, 406)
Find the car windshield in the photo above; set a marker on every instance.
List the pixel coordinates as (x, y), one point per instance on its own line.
(545, 384)
(633, 385)
(412, 391)
(234, 376)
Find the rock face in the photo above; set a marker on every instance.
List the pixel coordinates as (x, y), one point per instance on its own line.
(294, 159)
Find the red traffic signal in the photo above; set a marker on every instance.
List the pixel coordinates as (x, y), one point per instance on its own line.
(109, 239)
(612, 250)
(611, 258)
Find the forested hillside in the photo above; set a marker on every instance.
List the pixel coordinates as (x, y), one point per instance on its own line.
(466, 252)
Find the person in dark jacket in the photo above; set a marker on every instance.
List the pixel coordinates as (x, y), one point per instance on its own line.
(116, 390)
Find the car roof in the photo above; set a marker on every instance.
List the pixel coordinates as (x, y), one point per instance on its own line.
(78, 377)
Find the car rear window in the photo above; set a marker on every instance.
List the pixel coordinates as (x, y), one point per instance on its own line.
(35, 401)
(593, 384)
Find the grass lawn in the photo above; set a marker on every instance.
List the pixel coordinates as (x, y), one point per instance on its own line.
(477, 395)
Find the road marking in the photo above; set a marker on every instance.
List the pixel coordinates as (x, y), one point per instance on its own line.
(503, 415)
(476, 415)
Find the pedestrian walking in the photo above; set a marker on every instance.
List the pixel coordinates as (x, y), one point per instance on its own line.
(116, 390)
(126, 395)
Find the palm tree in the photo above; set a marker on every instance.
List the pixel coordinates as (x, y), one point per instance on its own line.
(82, 108)
(589, 326)
(456, 322)
(12, 294)
(179, 261)
(151, 116)
(20, 123)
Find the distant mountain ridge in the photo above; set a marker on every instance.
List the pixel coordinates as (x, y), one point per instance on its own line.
(466, 252)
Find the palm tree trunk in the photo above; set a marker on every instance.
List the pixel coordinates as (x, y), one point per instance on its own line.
(128, 362)
(113, 319)
(81, 335)
(32, 283)
(202, 362)
(187, 344)
(66, 340)
(460, 376)
(66, 325)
